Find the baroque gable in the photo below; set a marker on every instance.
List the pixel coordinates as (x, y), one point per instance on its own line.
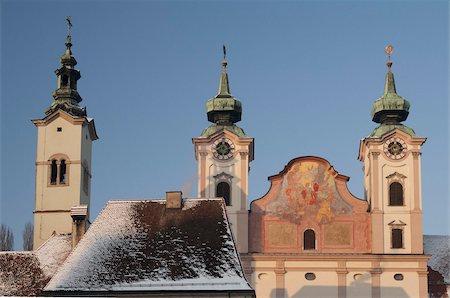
(309, 195)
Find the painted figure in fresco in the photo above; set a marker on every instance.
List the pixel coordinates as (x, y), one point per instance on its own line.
(308, 190)
(325, 210)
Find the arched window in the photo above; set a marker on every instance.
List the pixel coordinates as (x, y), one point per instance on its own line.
(53, 172)
(223, 190)
(309, 240)
(397, 238)
(64, 80)
(58, 169)
(395, 194)
(62, 172)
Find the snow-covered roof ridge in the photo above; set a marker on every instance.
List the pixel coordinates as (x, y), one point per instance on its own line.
(160, 200)
(143, 245)
(53, 252)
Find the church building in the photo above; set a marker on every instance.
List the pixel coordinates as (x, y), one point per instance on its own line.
(308, 236)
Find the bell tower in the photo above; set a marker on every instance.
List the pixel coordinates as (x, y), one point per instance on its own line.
(392, 174)
(224, 153)
(63, 159)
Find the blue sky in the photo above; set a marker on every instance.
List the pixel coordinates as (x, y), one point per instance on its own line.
(307, 73)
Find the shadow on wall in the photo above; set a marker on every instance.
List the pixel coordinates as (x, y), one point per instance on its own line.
(332, 291)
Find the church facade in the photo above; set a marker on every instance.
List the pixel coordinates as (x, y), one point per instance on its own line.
(308, 236)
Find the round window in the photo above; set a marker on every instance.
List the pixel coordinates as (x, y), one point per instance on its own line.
(398, 276)
(310, 276)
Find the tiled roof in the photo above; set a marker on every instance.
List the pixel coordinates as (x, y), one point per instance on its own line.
(27, 273)
(438, 246)
(142, 246)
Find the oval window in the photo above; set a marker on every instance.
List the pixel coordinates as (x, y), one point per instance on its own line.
(357, 276)
(398, 276)
(262, 276)
(310, 276)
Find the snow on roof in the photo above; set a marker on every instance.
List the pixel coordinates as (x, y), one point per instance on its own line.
(53, 253)
(439, 248)
(141, 245)
(27, 273)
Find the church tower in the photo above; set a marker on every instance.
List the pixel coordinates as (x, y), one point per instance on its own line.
(392, 174)
(224, 153)
(63, 159)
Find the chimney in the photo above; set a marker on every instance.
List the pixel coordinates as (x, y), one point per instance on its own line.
(79, 216)
(173, 199)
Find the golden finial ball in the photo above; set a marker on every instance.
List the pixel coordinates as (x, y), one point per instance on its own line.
(389, 49)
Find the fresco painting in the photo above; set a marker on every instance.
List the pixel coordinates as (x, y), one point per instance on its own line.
(338, 234)
(281, 234)
(308, 190)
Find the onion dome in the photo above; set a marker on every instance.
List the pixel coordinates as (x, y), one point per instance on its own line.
(66, 96)
(223, 110)
(390, 109)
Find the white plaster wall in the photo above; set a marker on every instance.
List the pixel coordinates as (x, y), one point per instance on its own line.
(359, 284)
(408, 287)
(264, 284)
(325, 284)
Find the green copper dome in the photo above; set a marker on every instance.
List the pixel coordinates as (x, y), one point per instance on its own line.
(391, 107)
(223, 110)
(382, 129)
(213, 128)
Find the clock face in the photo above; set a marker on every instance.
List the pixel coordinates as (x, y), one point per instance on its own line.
(395, 148)
(223, 149)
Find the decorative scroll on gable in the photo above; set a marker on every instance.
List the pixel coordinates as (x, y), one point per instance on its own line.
(309, 195)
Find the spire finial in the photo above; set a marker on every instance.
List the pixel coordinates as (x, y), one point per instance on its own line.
(224, 87)
(67, 59)
(69, 37)
(389, 49)
(389, 86)
(224, 61)
(69, 25)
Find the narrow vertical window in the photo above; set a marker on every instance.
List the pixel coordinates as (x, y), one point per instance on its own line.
(309, 240)
(395, 194)
(62, 172)
(223, 190)
(397, 238)
(53, 172)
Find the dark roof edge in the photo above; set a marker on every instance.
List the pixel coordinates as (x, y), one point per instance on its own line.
(145, 293)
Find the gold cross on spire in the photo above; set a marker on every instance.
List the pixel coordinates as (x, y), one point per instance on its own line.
(69, 25)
